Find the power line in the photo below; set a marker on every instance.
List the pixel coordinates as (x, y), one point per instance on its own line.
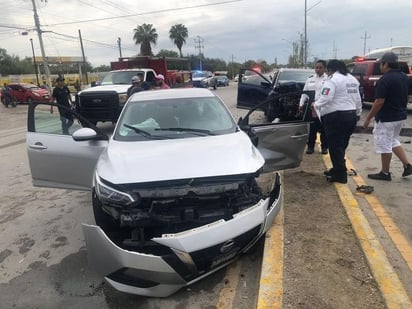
(145, 13)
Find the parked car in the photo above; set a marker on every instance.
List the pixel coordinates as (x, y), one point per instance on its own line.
(26, 93)
(277, 96)
(177, 190)
(236, 79)
(222, 80)
(203, 79)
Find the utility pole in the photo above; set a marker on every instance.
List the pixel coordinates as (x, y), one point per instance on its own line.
(119, 42)
(35, 63)
(305, 52)
(364, 38)
(199, 45)
(84, 58)
(43, 54)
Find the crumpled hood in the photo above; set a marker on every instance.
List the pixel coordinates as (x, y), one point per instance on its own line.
(157, 160)
(118, 88)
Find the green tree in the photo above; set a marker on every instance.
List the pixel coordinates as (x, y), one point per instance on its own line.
(167, 53)
(145, 35)
(178, 34)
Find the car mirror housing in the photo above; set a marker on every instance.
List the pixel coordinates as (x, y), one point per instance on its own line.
(84, 134)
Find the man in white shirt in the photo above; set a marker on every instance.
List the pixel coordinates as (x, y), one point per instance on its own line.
(315, 83)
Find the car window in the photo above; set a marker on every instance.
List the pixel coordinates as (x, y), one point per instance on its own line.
(155, 117)
(294, 76)
(359, 69)
(46, 122)
(253, 78)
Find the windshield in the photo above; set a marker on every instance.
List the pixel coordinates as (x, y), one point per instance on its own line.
(294, 76)
(200, 74)
(31, 87)
(174, 118)
(120, 77)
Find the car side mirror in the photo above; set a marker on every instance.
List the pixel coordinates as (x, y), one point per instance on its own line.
(84, 134)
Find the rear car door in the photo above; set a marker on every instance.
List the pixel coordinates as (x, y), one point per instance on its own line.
(253, 88)
(56, 159)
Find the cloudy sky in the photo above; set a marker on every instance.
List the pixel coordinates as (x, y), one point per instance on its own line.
(236, 30)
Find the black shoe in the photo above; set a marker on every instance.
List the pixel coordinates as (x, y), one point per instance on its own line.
(380, 176)
(310, 151)
(407, 170)
(334, 178)
(328, 172)
(324, 151)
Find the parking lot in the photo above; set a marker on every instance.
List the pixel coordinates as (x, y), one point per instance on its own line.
(43, 260)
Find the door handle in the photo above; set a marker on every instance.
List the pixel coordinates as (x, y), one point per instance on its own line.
(299, 136)
(38, 146)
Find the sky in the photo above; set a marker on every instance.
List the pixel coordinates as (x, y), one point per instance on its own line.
(237, 30)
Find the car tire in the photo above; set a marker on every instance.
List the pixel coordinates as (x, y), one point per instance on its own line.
(105, 221)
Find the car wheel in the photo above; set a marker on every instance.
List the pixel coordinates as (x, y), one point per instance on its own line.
(105, 221)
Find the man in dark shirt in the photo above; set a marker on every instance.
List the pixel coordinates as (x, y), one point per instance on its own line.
(135, 87)
(390, 112)
(61, 94)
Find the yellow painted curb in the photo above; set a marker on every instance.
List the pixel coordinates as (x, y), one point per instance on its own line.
(388, 281)
(271, 277)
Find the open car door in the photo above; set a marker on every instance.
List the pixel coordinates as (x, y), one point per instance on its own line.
(253, 88)
(281, 144)
(62, 160)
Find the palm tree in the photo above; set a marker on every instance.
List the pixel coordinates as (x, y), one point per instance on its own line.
(145, 35)
(178, 34)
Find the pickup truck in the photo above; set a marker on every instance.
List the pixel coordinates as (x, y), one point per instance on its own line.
(105, 102)
(368, 72)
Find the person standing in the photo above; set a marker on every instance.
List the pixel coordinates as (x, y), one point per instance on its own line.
(390, 113)
(315, 83)
(160, 82)
(340, 106)
(61, 94)
(135, 87)
(7, 98)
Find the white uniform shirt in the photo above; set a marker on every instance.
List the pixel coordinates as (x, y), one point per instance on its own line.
(315, 83)
(339, 93)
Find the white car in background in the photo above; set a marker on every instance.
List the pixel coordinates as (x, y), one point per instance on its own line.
(176, 189)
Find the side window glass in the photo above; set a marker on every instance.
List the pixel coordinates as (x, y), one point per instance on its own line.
(54, 123)
(252, 78)
(149, 76)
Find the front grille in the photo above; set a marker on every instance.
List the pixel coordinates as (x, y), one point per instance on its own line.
(99, 106)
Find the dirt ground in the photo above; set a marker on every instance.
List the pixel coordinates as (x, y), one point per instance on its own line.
(324, 266)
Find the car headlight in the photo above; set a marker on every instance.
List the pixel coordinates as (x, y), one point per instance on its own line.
(111, 195)
(122, 98)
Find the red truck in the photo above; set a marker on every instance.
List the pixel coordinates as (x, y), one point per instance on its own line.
(106, 101)
(367, 71)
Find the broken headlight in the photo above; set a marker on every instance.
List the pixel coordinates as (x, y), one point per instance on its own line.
(108, 194)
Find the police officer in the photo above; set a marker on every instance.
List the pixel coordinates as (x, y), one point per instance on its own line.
(315, 83)
(339, 106)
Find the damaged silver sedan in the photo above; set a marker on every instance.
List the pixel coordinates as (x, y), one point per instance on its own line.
(176, 189)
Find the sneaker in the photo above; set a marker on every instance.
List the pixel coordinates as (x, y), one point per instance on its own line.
(310, 151)
(324, 151)
(381, 176)
(334, 178)
(407, 170)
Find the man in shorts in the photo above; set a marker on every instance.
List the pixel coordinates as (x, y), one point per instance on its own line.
(390, 112)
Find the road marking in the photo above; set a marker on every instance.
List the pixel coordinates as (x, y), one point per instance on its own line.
(388, 281)
(231, 280)
(271, 276)
(400, 241)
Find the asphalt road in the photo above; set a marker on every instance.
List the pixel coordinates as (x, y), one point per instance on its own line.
(43, 260)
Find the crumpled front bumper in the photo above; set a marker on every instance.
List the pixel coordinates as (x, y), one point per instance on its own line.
(160, 276)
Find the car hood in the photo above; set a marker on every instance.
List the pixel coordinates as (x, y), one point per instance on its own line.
(197, 79)
(118, 88)
(138, 162)
(40, 92)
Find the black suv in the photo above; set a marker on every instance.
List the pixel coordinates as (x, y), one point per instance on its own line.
(278, 95)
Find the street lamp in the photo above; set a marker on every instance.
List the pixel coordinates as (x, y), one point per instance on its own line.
(305, 53)
(35, 63)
